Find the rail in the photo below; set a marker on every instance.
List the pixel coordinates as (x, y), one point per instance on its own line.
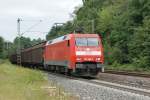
(138, 74)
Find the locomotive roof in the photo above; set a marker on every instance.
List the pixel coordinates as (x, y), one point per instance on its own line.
(85, 35)
(59, 39)
(66, 37)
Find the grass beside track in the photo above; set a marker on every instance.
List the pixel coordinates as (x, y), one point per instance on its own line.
(1, 61)
(18, 83)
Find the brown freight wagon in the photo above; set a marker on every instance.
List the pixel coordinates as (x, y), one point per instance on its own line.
(31, 56)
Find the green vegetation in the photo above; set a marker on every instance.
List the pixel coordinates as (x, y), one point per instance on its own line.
(7, 48)
(19, 83)
(124, 26)
(26, 42)
(1, 47)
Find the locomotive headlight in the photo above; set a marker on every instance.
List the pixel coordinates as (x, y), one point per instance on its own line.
(98, 59)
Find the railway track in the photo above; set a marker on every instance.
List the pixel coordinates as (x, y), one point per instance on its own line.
(123, 87)
(128, 73)
(107, 84)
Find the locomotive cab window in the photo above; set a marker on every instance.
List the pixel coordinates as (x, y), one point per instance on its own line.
(81, 42)
(92, 42)
(87, 42)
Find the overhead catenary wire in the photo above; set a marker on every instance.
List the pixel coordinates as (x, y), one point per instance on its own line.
(32, 27)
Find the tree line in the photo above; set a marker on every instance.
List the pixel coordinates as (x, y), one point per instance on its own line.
(8, 48)
(123, 24)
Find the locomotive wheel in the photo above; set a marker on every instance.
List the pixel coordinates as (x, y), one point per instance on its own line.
(53, 68)
(45, 67)
(57, 69)
(69, 72)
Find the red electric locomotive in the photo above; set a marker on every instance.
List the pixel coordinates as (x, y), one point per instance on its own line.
(77, 53)
(73, 53)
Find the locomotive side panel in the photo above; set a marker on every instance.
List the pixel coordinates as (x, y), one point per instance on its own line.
(58, 54)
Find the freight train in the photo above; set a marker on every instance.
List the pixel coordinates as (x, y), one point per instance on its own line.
(81, 54)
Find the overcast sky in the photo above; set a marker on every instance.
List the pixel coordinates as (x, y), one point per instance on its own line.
(31, 11)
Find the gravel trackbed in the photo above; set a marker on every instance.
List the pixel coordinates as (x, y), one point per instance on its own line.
(89, 91)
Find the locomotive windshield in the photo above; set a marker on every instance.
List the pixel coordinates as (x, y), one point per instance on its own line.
(87, 42)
